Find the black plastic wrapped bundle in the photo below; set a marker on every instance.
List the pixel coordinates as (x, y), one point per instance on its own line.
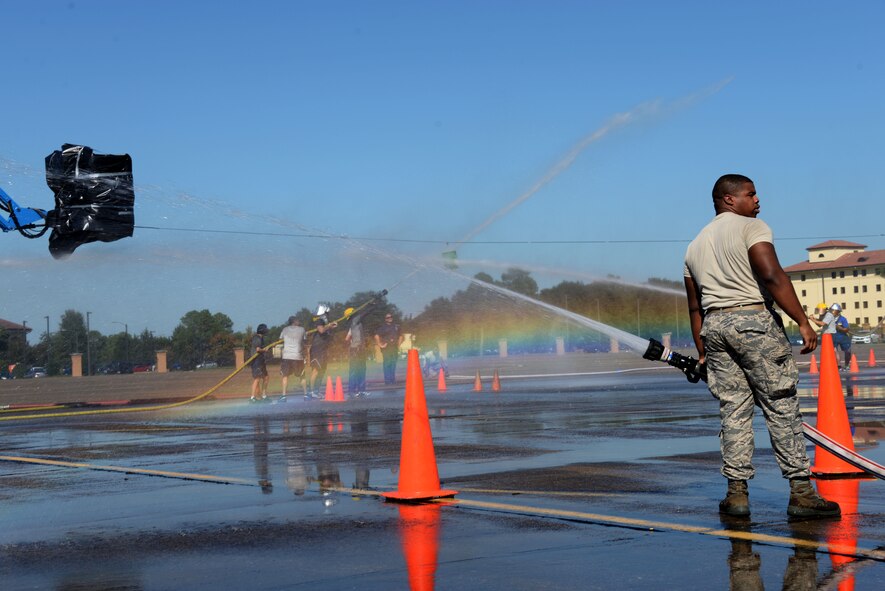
(94, 198)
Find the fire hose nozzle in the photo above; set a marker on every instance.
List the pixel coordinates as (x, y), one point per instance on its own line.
(693, 370)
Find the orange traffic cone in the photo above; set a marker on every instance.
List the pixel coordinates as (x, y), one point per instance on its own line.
(852, 366)
(339, 390)
(419, 532)
(842, 534)
(832, 416)
(330, 391)
(477, 383)
(813, 369)
(872, 361)
(418, 475)
(496, 382)
(441, 384)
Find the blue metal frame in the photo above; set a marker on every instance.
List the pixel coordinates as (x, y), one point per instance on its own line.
(26, 217)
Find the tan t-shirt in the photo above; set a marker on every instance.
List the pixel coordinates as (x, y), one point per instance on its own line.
(718, 261)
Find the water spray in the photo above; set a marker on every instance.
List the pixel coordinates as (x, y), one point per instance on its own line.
(690, 366)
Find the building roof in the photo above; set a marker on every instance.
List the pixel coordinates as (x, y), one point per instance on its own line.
(7, 325)
(836, 244)
(869, 258)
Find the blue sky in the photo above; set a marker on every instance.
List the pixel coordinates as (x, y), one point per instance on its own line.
(420, 121)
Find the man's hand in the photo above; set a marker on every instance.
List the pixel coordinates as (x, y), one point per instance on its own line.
(809, 338)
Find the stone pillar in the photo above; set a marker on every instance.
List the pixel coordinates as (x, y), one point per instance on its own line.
(502, 347)
(665, 339)
(239, 357)
(77, 365)
(560, 346)
(443, 350)
(615, 346)
(161, 362)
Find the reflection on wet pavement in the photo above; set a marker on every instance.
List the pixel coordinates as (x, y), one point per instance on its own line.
(640, 448)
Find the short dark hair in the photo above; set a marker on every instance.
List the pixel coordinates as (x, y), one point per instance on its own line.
(727, 184)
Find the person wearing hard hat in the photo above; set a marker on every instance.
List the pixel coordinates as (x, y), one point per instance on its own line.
(842, 337)
(319, 347)
(832, 322)
(259, 365)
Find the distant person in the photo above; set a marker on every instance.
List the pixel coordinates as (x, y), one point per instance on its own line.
(388, 338)
(259, 364)
(319, 348)
(293, 355)
(837, 325)
(732, 273)
(432, 364)
(356, 347)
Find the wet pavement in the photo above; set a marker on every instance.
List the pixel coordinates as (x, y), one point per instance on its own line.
(570, 482)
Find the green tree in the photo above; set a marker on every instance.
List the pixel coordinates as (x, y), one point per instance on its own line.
(196, 338)
(520, 281)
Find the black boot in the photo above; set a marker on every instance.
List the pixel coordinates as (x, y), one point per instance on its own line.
(737, 499)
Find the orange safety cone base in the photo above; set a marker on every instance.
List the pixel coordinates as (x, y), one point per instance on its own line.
(441, 384)
(397, 496)
(496, 382)
(852, 366)
(872, 361)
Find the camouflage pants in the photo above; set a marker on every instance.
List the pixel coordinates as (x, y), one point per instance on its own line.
(749, 362)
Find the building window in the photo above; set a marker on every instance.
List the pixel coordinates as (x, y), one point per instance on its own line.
(803, 293)
(842, 274)
(835, 291)
(863, 273)
(856, 305)
(866, 319)
(878, 303)
(802, 277)
(833, 275)
(856, 289)
(857, 320)
(864, 289)
(854, 272)
(865, 304)
(841, 290)
(878, 287)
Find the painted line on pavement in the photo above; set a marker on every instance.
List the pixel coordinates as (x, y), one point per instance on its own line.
(124, 470)
(651, 525)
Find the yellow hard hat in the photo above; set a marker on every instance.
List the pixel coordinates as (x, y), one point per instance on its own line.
(821, 306)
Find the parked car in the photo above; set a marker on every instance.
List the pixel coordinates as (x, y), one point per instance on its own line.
(36, 372)
(115, 367)
(867, 337)
(207, 365)
(142, 367)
